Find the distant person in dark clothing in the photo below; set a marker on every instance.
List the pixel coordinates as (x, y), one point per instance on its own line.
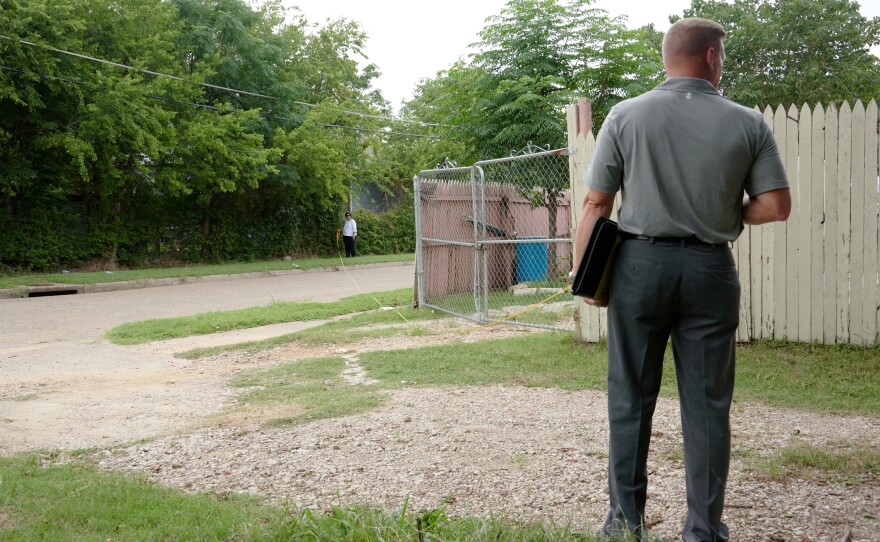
(349, 235)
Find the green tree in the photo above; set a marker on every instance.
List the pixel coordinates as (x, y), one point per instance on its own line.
(227, 43)
(123, 130)
(795, 51)
(456, 100)
(80, 128)
(219, 153)
(326, 157)
(105, 162)
(533, 59)
(558, 50)
(329, 67)
(34, 157)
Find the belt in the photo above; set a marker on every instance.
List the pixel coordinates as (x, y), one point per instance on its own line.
(680, 241)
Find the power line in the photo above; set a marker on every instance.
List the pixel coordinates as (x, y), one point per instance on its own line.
(208, 85)
(157, 74)
(380, 117)
(215, 108)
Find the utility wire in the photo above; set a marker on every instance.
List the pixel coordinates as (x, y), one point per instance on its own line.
(208, 85)
(215, 108)
(158, 74)
(380, 117)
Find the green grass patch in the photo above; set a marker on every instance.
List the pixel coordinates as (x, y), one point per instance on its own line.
(502, 301)
(367, 525)
(817, 378)
(550, 360)
(14, 280)
(372, 324)
(314, 388)
(852, 462)
(75, 501)
(562, 318)
(274, 313)
(849, 376)
(561, 283)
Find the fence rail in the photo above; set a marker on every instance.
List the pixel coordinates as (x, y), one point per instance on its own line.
(815, 277)
(495, 238)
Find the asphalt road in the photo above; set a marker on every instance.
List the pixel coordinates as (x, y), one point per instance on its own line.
(54, 358)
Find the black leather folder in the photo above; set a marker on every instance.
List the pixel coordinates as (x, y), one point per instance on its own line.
(591, 278)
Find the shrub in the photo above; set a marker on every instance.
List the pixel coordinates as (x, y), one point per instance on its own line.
(389, 233)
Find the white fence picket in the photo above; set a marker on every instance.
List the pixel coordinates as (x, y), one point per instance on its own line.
(768, 265)
(792, 267)
(588, 324)
(872, 290)
(844, 235)
(857, 250)
(805, 217)
(817, 218)
(829, 263)
(780, 230)
(741, 255)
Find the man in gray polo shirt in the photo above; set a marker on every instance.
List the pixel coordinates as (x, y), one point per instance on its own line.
(692, 168)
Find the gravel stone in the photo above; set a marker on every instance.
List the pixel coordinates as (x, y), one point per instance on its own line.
(537, 455)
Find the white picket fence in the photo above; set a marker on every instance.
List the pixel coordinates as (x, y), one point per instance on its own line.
(813, 278)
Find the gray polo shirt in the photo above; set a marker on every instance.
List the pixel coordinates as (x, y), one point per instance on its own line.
(682, 156)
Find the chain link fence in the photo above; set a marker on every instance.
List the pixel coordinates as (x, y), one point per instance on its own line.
(495, 238)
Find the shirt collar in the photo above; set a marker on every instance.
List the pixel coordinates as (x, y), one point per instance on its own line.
(688, 84)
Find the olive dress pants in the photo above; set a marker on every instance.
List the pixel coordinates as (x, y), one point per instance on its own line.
(689, 292)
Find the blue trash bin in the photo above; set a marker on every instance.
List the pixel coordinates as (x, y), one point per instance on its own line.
(531, 260)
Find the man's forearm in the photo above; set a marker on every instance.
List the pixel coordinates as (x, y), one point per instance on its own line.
(596, 204)
(773, 206)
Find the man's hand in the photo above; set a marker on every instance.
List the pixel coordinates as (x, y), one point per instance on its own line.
(601, 302)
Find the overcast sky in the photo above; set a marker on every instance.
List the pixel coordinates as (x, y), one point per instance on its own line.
(413, 39)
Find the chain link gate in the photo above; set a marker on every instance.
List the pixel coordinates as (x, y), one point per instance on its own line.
(495, 238)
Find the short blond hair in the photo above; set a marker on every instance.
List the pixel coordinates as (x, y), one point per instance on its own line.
(692, 37)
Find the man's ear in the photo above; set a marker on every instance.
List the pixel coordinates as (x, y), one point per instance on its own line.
(709, 57)
(713, 59)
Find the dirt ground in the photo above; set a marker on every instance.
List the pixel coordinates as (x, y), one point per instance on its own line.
(63, 386)
(528, 454)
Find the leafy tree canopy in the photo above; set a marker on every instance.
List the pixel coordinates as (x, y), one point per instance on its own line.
(107, 145)
(795, 51)
(533, 59)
